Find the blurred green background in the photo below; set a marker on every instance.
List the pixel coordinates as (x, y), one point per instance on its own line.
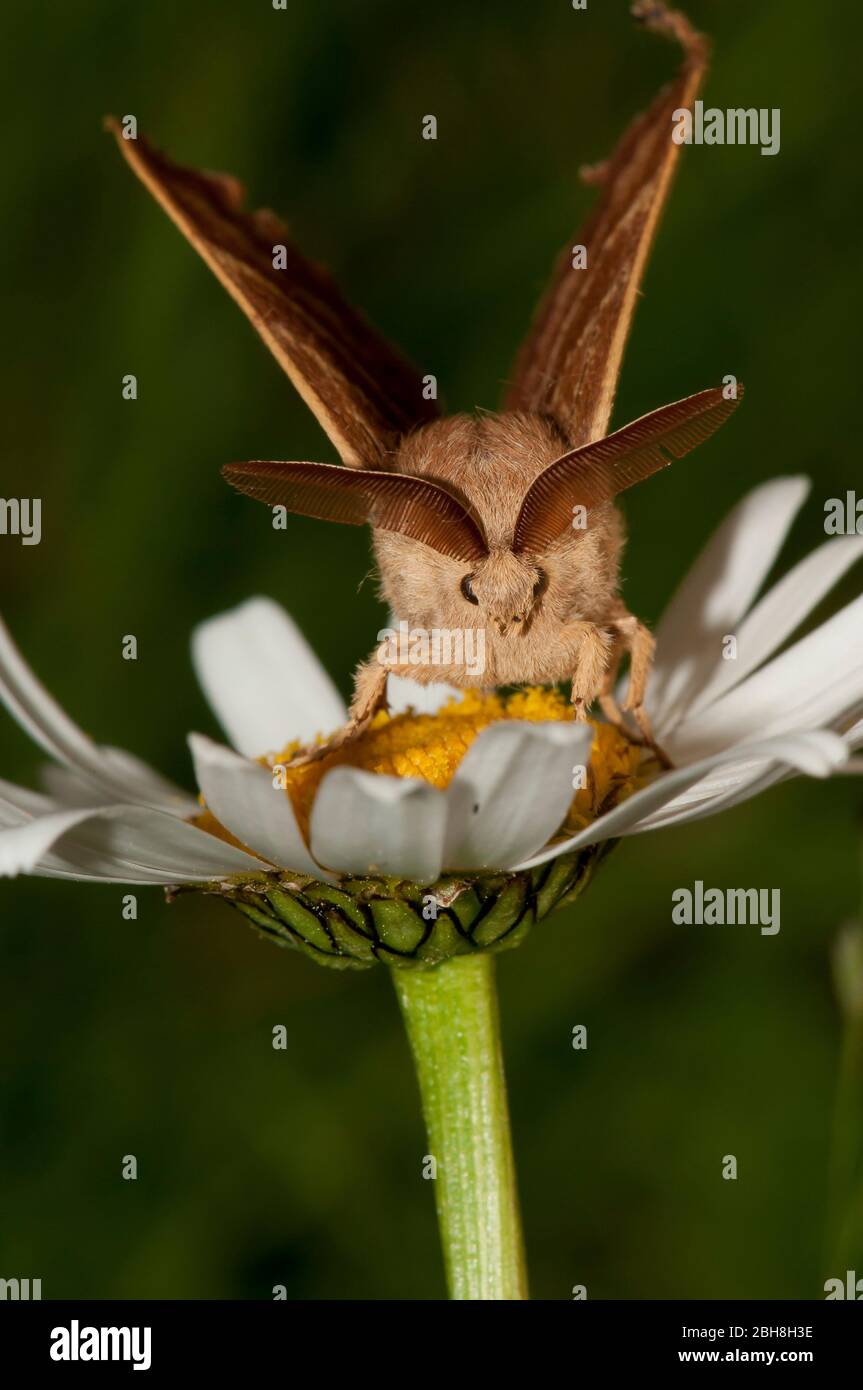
(303, 1167)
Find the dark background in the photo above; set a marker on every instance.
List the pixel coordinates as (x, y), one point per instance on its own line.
(153, 1037)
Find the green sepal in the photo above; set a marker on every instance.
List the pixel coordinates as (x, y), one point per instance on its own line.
(351, 925)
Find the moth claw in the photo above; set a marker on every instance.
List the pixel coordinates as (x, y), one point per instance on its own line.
(340, 739)
(317, 751)
(645, 735)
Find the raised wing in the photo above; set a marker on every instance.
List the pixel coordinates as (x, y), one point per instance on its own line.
(362, 392)
(570, 361)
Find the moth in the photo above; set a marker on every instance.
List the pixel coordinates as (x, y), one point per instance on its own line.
(501, 521)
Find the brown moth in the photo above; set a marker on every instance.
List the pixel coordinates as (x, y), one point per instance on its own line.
(476, 519)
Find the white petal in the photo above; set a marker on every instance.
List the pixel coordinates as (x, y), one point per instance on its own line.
(779, 613)
(129, 780)
(116, 775)
(17, 806)
(836, 708)
(808, 685)
(627, 818)
(135, 780)
(22, 846)
(86, 853)
(138, 843)
(154, 840)
(241, 795)
(69, 787)
(404, 693)
(51, 866)
(511, 791)
(364, 822)
(22, 802)
(854, 736)
(814, 753)
(263, 680)
(756, 780)
(717, 592)
(30, 704)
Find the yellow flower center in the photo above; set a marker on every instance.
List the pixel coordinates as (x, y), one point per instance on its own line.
(431, 746)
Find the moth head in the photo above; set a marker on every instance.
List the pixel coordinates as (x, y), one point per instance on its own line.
(505, 588)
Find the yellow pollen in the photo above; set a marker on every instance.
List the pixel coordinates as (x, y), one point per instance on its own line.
(431, 746)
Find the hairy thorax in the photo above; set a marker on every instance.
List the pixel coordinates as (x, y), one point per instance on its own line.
(491, 460)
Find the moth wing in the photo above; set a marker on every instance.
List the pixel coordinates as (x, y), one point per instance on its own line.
(415, 507)
(569, 364)
(599, 471)
(362, 392)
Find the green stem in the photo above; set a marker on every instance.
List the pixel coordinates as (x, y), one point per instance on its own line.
(451, 1016)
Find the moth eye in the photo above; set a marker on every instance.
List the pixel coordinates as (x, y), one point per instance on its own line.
(467, 589)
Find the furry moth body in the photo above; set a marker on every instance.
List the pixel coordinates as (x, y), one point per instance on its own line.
(504, 522)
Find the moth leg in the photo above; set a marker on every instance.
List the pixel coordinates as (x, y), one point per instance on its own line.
(641, 646)
(594, 650)
(607, 701)
(370, 695)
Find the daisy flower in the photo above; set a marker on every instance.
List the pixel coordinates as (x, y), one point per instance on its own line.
(449, 828)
